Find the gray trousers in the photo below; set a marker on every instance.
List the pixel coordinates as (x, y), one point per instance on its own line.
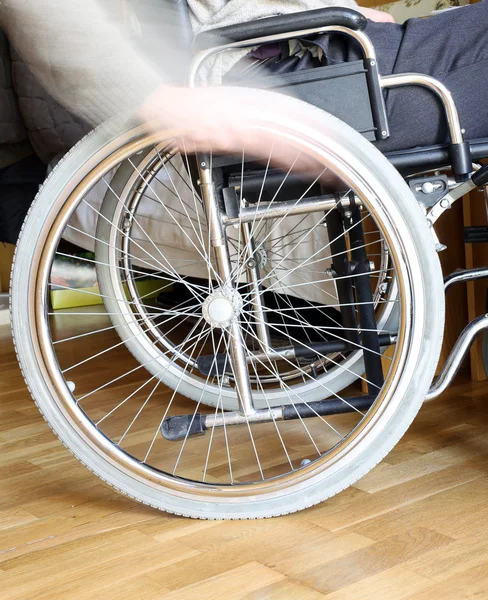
(453, 48)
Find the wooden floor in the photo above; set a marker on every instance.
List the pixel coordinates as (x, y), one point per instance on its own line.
(414, 528)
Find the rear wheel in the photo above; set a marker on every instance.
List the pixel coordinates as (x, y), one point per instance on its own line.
(113, 411)
(291, 256)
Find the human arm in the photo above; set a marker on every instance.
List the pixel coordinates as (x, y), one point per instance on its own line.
(85, 60)
(80, 55)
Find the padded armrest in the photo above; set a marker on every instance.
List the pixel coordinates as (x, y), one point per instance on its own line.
(282, 24)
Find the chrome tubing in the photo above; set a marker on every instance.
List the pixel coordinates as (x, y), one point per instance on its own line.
(256, 293)
(452, 115)
(219, 244)
(465, 275)
(235, 418)
(201, 57)
(276, 210)
(456, 357)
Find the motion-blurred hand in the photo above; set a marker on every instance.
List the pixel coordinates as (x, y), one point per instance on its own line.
(379, 16)
(220, 119)
(225, 120)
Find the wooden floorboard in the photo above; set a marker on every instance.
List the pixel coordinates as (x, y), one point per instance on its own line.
(415, 528)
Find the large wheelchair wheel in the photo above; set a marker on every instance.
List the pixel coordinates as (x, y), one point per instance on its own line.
(115, 415)
(158, 187)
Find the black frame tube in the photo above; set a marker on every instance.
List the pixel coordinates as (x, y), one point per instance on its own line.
(342, 268)
(364, 297)
(213, 365)
(331, 406)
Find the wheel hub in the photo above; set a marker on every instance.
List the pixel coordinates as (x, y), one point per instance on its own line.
(222, 307)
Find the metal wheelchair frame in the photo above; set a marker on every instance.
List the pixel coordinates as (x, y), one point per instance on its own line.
(462, 167)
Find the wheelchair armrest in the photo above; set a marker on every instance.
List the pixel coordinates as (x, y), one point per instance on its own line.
(282, 24)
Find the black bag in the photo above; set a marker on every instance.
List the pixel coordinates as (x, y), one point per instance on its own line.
(19, 184)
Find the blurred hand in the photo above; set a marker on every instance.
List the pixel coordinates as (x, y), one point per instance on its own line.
(212, 118)
(379, 16)
(220, 119)
(223, 120)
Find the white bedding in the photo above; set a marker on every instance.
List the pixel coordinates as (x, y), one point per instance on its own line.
(170, 225)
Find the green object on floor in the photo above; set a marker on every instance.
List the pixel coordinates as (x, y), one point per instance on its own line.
(74, 282)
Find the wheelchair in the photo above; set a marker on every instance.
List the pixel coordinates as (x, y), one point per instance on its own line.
(298, 318)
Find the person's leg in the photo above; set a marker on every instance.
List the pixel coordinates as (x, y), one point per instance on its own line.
(453, 48)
